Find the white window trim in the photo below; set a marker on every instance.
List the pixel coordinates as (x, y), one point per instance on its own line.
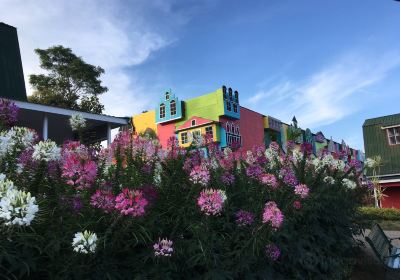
(395, 135)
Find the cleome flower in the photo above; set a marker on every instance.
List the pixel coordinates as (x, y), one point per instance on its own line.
(349, 184)
(273, 252)
(244, 218)
(84, 242)
(103, 199)
(163, 248)
(199, 175)
(46, 151)
(273, 215)
(301, 190)
(269, 180)
(131, 202)
(77, 122)
(16, 207)
(211, 201)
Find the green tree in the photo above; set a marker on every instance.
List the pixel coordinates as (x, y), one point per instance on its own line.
(70, 82)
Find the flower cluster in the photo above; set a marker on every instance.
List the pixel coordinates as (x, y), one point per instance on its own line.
(77, 122)
(272, 214)
(131, 202)
(46, 151)
(227, 178)
(104, 200)
(84, 242)
(8, 113)
(244, 218)
(349, 183)
(273, 252)
(301, 190)
(78, 168)
(211, 201)
(269, 180)
(329, 180)
(17, 139)
(163, 248)
(16, 207)
(200, 175)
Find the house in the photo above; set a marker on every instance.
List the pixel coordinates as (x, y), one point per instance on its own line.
(49, 121)
(382, 138)
(220, 116)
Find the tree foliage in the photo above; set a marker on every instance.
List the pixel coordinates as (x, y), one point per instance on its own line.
(70, 82)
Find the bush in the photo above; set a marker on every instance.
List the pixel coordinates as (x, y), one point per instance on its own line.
(135, 211)
(373, 213)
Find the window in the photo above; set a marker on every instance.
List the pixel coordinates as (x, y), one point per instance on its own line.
(173, 108)
(228, 106)
(394, 135)
(184, 137)
(209, 131)
(193, 122)
(162, 111)
(235, 108)
(228, 127)
(167, 95)
(196, 136)
(236, 96)
(230, 93)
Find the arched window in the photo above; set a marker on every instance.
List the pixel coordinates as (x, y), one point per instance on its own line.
(236, 96)
(167, 95)
(173, 108)
(230, 93)
(237, 130)
(193, 122)
(162, 111)
(228, 127)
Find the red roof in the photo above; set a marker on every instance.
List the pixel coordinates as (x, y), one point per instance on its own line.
(198, 122)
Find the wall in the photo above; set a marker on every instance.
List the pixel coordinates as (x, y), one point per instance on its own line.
(144, 120)
(164, 132)
(393, 196)
(251, 128)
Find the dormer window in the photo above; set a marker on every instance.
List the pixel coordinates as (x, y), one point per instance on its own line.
(167, 95)
(228, 106)
(235, 108)
(236, 96)
(173, 108)
(193, 122)
(162, 111)
(393, 134)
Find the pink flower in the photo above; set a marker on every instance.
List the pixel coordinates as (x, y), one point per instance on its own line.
(272, 215)
(211, 201)
(103, 199)
(163, 248)
(301, 190)
(244, 218)
(269, 180)
(297, 205)
(131, 202)
(200, 175)
(273, 252)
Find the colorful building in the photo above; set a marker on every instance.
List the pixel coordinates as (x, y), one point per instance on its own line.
(382, 138)
(220, 116)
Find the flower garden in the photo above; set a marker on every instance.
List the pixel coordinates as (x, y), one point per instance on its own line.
(136, 211)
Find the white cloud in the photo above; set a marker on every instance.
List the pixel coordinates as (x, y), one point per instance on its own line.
(114, 35)
(330, 94)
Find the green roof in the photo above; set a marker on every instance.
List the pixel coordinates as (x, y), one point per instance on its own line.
(12, 84)
(383, 121)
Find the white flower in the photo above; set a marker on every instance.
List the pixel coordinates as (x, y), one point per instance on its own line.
(16, 139)
(84, 242)
(46, 150)
(370, 163)
(16, 207)
(271, 156)
(297, 155)
(349, 184)
(77, 122)
(329, 180)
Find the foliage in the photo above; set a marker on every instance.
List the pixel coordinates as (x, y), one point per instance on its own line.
(136, 211)
(70, 83)
(373, 213)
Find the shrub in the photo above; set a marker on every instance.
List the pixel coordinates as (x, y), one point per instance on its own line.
(373, 213)
(137, 211)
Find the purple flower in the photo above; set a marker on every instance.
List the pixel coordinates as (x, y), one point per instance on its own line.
(289, 178)
(76, 203)
(254, 171)
(306, 148)
(8, 113)
(269, 180)
(147, 168)
(163, 248)
(244, 218)
(272, 214)
(227, 178)
(273, 252)
(301, 190)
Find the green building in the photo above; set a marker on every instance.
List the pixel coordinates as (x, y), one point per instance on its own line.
(382, 138)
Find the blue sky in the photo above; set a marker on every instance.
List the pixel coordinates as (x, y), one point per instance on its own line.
(331, 63)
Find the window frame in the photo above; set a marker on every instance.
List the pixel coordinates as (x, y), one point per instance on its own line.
(228, 106)
(396, 134)
(184, 135)
(172, 106)
(193, 123)
(162, 111)
(210, 131)
(235, 108)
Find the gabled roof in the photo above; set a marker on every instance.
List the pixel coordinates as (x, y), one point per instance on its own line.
(384, 120)
(199, 122)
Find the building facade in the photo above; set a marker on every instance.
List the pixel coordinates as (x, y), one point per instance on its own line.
(382, 138)
(220, 116)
